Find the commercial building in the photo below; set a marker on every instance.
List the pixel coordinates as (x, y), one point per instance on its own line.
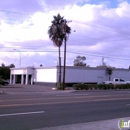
(74, 74)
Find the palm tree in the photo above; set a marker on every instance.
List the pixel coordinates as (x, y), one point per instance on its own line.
(58, 32)
(109, 72)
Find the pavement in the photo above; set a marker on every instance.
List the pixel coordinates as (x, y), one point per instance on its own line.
(98, 125)
(112, 124)
(27, 89)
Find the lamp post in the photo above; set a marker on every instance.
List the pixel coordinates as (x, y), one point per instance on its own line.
(19, 57)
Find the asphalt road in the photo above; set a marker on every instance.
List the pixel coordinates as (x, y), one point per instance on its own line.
(40, 110)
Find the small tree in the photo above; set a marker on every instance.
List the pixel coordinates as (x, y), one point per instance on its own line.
(2, 65)
(79, 61)
(109, 72)
(12, 66)
(40, 65)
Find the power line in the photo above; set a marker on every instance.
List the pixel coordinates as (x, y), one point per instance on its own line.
(88, 54)
(95, 55)
(100, 27)
(7, 11)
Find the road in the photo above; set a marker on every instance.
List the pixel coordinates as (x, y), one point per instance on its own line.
(25, 111)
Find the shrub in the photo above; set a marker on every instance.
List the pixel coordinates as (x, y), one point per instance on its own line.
(101, 86)
(76, 86)
(112, 86)
(59, 86)
(86, 86)
(80, 86)
(95, 86)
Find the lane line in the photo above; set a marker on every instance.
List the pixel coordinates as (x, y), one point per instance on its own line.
(87, 96)
(25, 113)
(65, 102)
(72, 95)
(127, 104)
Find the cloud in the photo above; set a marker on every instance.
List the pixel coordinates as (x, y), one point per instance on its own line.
(23, 6)
(100, 32)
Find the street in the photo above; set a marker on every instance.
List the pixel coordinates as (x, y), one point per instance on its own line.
(24, 111)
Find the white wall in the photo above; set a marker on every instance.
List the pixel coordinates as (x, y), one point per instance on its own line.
(84, 75)
(45, 75)
(17, 72)
(22, 71)
(73, 74)
(30, 71)
(123, 73)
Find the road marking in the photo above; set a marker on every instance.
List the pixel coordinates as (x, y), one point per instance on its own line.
(25, 113)
(127, 104)
(62, 97)
(72, 95)
(64, 102)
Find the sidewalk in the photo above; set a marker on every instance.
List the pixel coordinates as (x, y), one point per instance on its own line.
(40, 88)
(98, 125)
(18, 88)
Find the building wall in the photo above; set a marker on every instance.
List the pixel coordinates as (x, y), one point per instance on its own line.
(50, 75)
(121, 73)
(92, 75)
(22, 75)
(21, 71)
(45, 75)
(83, 74)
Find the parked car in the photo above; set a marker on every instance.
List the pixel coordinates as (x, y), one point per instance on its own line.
(117, 81)
(3, 82)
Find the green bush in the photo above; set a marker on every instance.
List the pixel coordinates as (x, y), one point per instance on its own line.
(82, 86)
(112, 86)
(76, 86)
(127, 86)
(87, 86)
(59, 86)
(95, 86)
(101, 86)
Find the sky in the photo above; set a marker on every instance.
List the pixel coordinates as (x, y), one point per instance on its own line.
(99, 30)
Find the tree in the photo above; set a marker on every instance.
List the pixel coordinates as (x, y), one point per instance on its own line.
(12, 66)
(79, 61)
(109, 72)
(5, 71)
(2, 65)
(58, 32)
(40, 65)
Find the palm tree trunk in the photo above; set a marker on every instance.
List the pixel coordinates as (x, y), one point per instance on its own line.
(59, 67)
(64, 65)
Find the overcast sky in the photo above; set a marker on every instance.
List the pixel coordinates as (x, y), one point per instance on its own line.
(102, 30)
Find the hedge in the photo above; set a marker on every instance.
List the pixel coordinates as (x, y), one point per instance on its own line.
(82, 86)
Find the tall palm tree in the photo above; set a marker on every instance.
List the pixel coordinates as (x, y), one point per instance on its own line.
(58, 32)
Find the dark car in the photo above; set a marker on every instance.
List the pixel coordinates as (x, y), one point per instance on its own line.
(3, 82)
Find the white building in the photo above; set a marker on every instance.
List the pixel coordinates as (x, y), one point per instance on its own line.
(74, 74)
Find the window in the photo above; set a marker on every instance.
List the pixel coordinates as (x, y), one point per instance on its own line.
(116, 80)
(121, 80)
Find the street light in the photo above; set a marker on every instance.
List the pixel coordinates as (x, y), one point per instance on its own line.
(19, 57)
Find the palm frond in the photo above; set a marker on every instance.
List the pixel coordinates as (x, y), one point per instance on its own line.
(59, 30)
